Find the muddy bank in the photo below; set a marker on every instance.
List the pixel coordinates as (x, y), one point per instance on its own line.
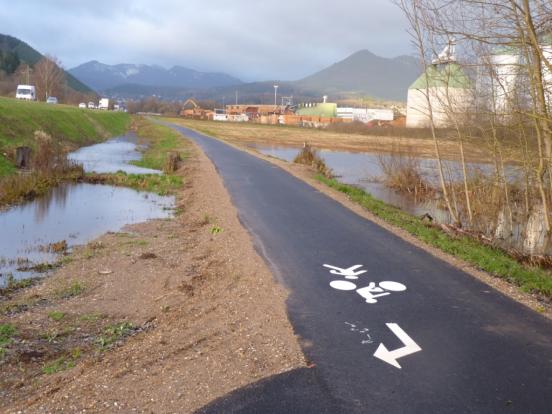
(206, 315)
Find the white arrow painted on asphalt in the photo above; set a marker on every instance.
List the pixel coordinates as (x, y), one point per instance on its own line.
(410, 347)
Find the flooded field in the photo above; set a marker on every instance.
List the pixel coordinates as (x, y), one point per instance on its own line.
(76, 213)
(517, 231)
(364, 170)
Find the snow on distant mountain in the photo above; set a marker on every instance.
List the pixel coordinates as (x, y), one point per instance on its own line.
(102, 77)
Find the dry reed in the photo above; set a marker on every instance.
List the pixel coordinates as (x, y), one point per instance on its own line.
(309, 156)
(49, 166)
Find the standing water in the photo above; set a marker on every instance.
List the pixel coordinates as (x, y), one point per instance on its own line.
(364, 170)
(76, 213)
(111, 156)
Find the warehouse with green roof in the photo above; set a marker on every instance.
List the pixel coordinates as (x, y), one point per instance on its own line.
(323, 110)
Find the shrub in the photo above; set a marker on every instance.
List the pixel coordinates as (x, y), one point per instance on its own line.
(309, 156)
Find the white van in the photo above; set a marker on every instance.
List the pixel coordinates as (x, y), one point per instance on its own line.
(103, 104)
(27, 92)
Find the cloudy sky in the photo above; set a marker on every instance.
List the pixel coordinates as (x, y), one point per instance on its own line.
(254, 40)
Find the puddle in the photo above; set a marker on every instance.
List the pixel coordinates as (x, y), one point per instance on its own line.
(77, 213)
(112, 156)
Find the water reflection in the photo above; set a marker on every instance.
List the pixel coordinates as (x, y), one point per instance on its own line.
(112, 156)
(57, 196)
(76, 213)
(509, 229)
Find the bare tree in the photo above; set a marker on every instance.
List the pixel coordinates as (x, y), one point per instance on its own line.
(420, 38)
(25, 74)
(506, 47)
(49, 77)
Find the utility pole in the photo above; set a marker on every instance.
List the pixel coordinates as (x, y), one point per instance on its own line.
(275, 95)
(236, 98)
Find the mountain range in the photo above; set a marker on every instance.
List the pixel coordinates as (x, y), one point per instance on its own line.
(361, 74)
(102, 77)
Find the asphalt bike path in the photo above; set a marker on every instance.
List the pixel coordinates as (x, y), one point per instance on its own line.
(388, 327)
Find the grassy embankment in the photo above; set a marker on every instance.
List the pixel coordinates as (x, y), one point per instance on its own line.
(70, 126)
(160, 141)
(492, 260)
(69, 129)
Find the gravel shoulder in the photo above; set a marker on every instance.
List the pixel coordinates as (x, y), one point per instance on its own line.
(205, 313)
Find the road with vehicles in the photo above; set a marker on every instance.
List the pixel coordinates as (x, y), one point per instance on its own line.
(386, 327)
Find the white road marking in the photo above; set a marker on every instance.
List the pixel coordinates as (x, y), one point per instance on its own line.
(349, 273)
(371, 292)
(392, 286)
(410, 347)
(364, 332)
(342, 285)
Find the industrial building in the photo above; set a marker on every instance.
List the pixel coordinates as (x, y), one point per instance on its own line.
(365, 115)
(442, 95)
(446, 95)
(505, 79)
(311, 114)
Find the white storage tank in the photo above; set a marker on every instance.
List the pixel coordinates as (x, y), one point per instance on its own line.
(506, 63)
(450, 95)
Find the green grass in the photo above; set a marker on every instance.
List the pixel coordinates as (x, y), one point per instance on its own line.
(162, 140)
(67, 124)
(216, 230)
(155, 183)
(58, 365)
(7, 332)
(492, 260)
(56, 315)
(13, 284)
(69, 291)
(6, 167)
(113, 333)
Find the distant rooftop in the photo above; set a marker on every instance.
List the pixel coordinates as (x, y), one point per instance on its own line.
(325, 110)
(436, 76)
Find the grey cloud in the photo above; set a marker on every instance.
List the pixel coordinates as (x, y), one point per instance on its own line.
(252, 40)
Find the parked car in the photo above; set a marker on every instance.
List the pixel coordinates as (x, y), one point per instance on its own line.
(82, 105)
(91, 105)
(52, 100)
(26, 92)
